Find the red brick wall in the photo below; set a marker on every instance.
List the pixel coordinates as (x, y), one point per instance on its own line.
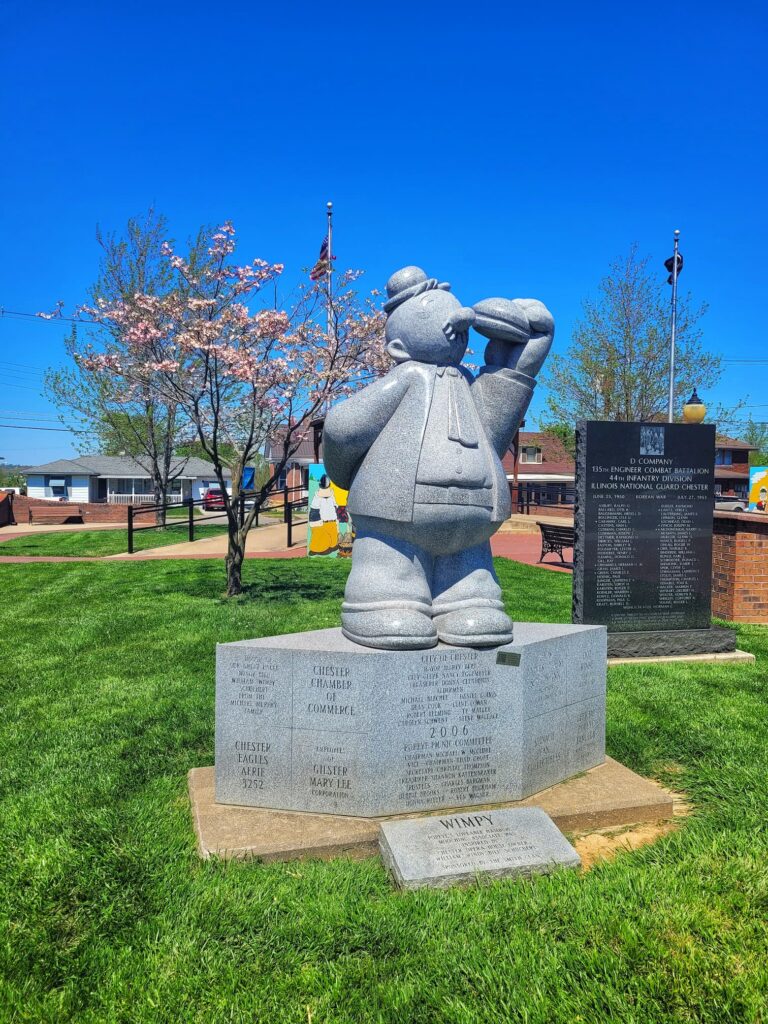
(740, 567)
(92, 512)
(293, 480)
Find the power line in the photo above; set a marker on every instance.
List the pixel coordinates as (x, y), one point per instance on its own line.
(44, 319)
(22, 366)
(29, 414)
(20, 426)
(16, 376)
(6, 371)
(34, 419)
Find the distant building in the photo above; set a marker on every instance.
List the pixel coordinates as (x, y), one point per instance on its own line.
(538, 460)
(116, 479)
(295, 474)
(539, 470)
(732, 466)
(542, 459)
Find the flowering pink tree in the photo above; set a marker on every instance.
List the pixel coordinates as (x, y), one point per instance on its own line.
(240, 375)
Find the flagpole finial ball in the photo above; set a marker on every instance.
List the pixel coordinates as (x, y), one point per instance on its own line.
(329, 205)
(677, 231)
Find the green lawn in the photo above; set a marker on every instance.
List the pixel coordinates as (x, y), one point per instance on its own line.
(107, 915)
(88, 543)
(182, 512)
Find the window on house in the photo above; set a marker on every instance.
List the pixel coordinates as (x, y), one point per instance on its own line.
(530, 454)
(723, 457)
(58, 488)
(281, 480)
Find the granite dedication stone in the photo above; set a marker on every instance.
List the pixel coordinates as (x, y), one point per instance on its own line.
(455, 848)
(643, 548)
(314, 722)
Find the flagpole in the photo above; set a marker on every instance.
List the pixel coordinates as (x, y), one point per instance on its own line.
(329, 322)
(673, 333)
(329, 293)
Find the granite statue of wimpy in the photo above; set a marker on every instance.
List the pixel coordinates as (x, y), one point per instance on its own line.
(420, 453)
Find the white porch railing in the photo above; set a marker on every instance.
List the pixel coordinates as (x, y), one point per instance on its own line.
(140, 499)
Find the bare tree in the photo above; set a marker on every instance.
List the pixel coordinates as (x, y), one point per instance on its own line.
(119, 415)
(617, 364)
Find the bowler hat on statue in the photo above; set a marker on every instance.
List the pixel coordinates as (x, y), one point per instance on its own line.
(408, 282)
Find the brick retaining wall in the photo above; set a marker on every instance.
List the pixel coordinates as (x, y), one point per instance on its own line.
(740, 567)
(93, 512)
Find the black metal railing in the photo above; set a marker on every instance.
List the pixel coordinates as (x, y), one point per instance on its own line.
(285, 502)
(529, 494)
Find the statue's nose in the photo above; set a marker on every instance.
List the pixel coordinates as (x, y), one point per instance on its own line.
(462, 319)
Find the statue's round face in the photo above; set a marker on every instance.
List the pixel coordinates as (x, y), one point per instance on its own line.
(420, 324)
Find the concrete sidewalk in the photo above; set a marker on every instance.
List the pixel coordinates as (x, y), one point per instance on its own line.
(526, 548)
(518, 523)
(262, 542)
(269, 542)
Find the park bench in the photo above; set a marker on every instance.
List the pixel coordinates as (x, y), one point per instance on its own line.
(554, 538)
(56, 513)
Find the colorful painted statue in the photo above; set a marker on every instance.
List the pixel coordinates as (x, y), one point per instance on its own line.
(420, 451)
(323, 520)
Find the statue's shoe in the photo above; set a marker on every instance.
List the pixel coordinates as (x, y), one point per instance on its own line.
(479, 626)
(392, 628)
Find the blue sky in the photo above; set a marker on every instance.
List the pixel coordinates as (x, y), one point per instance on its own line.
(512, 149)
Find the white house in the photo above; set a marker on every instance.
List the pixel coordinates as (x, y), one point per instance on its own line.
(116, 479)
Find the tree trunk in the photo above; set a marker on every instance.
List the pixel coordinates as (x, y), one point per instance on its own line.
(234, 561)
(161, 498)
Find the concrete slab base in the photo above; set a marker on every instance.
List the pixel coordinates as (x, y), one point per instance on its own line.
(607, 795)
(726, 656)
(667, 643)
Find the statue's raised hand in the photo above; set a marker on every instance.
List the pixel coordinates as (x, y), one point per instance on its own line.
(520, 333)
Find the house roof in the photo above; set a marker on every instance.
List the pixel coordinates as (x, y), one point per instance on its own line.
(723, 441)
(67, 466)
(739, 471)
(120, 466)
(306, 449)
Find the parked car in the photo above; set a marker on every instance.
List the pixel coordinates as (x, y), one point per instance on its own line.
(213, 500)
(730, 503)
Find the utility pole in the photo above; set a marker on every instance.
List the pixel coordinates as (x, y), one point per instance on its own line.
(674, 265)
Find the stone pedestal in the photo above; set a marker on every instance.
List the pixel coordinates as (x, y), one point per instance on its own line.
(671, 642)
(312, 722)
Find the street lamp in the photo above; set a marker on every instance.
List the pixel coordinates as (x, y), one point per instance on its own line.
(694, 409)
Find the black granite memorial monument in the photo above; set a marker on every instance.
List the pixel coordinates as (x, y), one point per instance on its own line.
(643, 537)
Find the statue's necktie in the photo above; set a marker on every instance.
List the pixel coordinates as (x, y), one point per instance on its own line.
(461, 419)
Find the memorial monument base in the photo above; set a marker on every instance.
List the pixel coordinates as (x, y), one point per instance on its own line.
(313, 722)
(608, 796)
(671, 642)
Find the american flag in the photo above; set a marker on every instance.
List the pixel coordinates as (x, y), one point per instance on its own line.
(322, 267)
